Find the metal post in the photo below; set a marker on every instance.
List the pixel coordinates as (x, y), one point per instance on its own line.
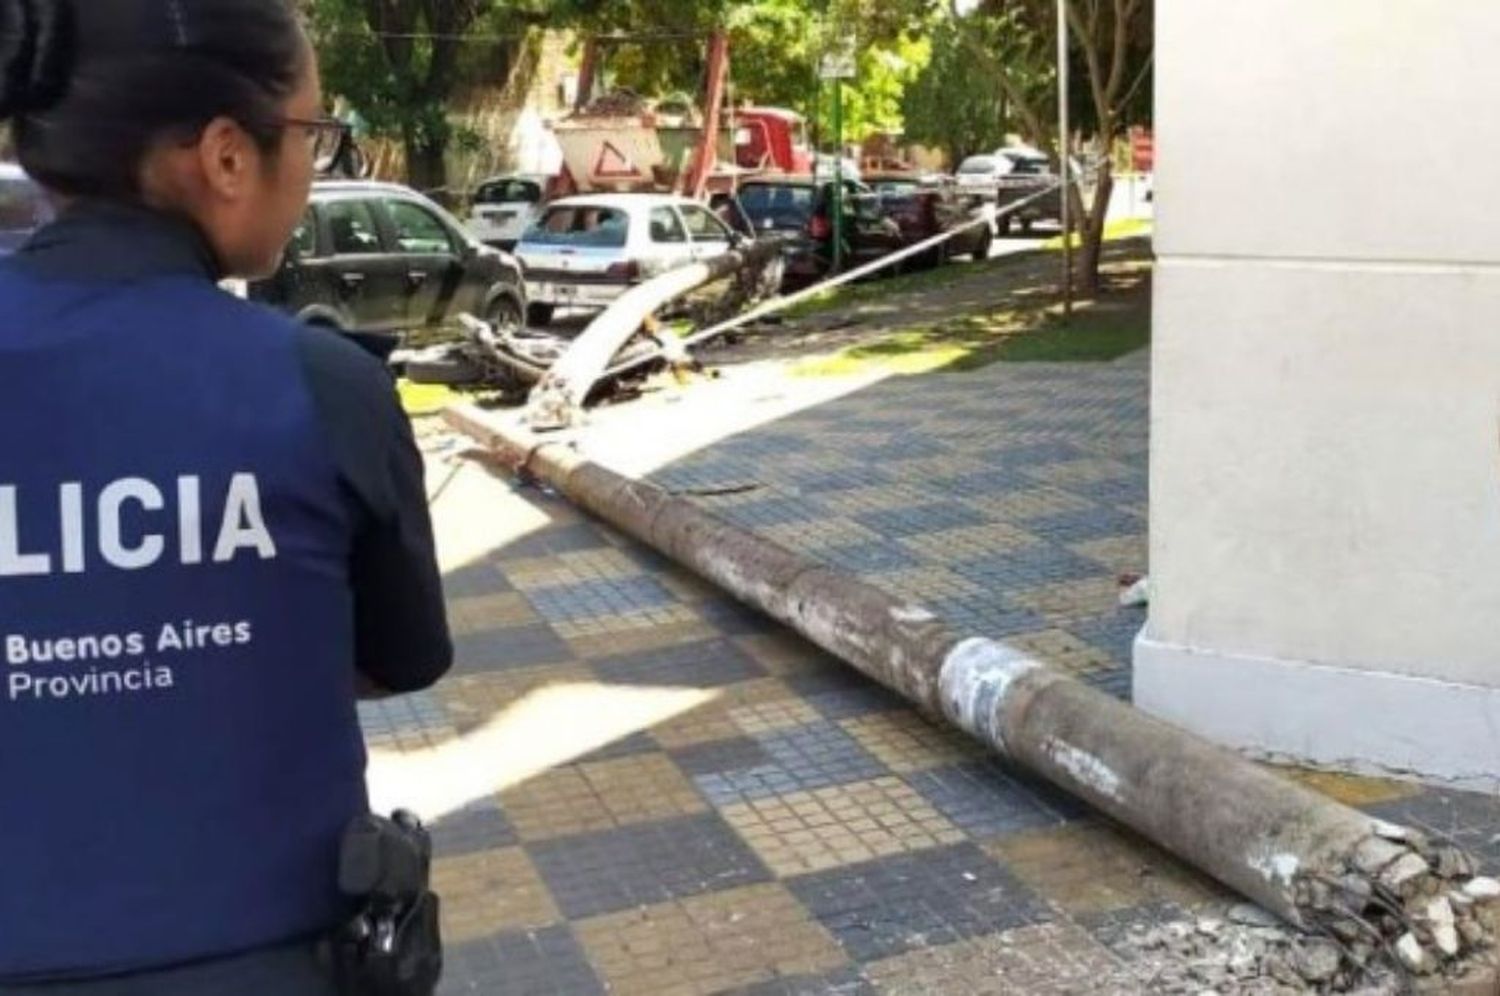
(838, 175)
(706, 155)
(588, 73)
(1063, 157)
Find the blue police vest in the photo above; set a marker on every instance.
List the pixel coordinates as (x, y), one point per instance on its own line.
(179, 748)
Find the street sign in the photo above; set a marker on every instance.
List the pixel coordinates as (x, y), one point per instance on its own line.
(1142, 150)
(836, 67)
(840, 64)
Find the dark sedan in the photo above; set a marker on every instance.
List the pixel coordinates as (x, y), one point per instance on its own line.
(374, 260)
(923, 210)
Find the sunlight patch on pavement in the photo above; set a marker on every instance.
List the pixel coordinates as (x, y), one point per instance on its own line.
(547, 728)
(1122, 228)
(475, 515)
(657, 430)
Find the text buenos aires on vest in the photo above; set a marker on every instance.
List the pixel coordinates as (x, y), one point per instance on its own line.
(92, 534)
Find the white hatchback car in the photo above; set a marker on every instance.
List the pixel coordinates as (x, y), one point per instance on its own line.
(584, 252)
(504, 207)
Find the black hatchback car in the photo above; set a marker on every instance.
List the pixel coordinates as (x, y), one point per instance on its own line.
(803, 208)
(374, 260)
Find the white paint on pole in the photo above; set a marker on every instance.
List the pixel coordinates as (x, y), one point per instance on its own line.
(1086, 769)
(974, 681)
(912, 614)
(1279, 868)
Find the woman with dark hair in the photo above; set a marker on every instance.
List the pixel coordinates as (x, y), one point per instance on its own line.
(213, 532)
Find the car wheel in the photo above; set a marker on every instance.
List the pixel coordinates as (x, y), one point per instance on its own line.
(985, 244)
(1026, 226)
(538, 315)
(317, 320)
(449, 370)
(772, 279)
(503, 314)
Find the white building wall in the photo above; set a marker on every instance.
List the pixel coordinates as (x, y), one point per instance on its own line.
(1325, 513)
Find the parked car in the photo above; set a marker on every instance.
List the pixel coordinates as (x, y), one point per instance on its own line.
(1009, 175)
(1030, 173)
(504, 207)
(803, 207)
(925, 209)
(826, 164)
(23, 208)
(584, 252)
(980, 176)
(374, 260)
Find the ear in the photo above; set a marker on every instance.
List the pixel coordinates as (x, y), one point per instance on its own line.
(229, 157)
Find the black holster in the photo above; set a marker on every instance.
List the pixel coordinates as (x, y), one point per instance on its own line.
(392, 946)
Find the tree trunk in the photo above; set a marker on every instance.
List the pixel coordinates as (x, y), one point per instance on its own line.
(1092, 252)
(426, 165)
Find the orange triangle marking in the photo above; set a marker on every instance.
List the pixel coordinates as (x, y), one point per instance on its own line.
(614, 164)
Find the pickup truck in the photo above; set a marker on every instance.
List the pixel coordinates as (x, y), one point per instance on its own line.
(1009, 175)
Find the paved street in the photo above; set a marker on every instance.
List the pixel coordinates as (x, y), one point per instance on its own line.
(640, 787)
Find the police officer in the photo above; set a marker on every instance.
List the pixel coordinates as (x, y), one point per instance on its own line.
(213, 530)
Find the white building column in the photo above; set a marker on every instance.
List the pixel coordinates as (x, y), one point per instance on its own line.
(1325, 479)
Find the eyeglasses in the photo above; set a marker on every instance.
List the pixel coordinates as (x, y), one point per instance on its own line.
(325, 138)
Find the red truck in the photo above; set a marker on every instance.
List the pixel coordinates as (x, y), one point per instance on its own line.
(771, 139)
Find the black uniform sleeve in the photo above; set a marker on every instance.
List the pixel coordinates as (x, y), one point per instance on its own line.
(401, 630)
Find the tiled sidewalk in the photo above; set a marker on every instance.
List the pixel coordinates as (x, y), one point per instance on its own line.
(709, 805)
(1009, 500)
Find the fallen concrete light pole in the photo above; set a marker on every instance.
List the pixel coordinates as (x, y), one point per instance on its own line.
(1380, 893)
(558, 398)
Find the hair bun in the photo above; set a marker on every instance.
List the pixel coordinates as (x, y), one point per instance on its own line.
(35, 54)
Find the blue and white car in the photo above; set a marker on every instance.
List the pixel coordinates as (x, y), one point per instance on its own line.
(584, 252)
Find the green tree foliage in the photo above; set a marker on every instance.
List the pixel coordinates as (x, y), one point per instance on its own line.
(962, 120)
(398, 62)
(873, 101)
(775, 46)
(958, 78)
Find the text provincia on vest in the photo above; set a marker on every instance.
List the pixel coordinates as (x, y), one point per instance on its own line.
(116, 663)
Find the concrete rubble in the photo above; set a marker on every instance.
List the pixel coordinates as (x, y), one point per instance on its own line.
(1362, 902)
(1249, 951)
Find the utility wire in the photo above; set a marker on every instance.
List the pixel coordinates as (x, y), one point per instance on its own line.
(661, 36)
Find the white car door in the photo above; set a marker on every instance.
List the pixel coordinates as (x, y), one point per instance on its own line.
(667, 242)
(711, 237)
